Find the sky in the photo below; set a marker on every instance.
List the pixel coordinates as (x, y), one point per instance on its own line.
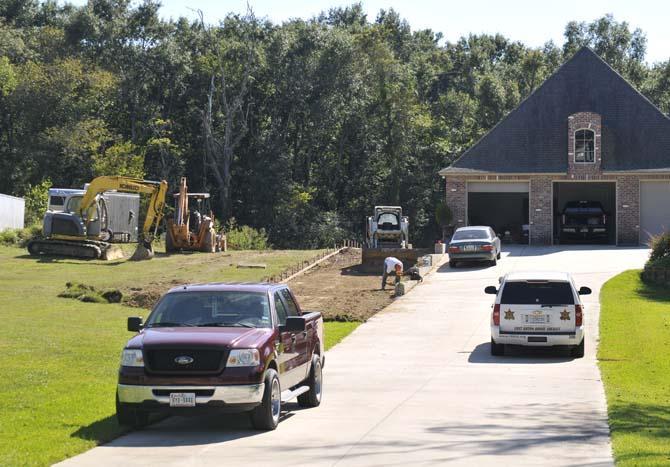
(532, 22)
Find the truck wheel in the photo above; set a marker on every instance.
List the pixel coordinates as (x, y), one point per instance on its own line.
(497, 349)
(128, 416)
(312, 398)
(578, 350)
(266, 415)
(453, 264)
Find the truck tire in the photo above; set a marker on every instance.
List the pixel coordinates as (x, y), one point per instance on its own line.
(578, 350)
(266, 415)
(497, 349)
(453, 264)
(129, 416)
(312, 398)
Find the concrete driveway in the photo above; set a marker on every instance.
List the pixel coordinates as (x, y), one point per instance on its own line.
(416, 385)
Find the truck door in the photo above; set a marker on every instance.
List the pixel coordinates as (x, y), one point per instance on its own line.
(303, 340)
(288, 355)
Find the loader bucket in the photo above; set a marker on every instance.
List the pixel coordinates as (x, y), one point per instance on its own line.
(143, 251)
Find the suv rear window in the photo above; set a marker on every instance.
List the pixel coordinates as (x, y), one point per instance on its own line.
(531, 293)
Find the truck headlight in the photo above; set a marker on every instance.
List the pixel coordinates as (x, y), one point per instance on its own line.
(132, 357)
(244, 357)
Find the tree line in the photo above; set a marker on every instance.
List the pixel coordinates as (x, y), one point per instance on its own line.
(299, 128)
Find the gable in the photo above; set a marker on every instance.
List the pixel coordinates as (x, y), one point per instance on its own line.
(533, 137)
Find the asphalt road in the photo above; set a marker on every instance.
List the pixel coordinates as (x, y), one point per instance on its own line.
(416, 385)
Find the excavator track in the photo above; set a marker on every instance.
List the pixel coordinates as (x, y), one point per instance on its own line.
(87, 249)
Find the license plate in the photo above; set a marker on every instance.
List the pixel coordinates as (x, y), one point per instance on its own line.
(182, 399)
(535, 319)
(469, 248)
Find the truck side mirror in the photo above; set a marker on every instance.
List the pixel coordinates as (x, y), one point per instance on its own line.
(294, 324)
(491, 290)
(134, 324)
(584, 291)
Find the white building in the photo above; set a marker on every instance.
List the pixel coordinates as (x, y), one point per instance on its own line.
(12, 210)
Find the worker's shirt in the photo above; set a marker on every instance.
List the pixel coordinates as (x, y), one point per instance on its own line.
(390, 264)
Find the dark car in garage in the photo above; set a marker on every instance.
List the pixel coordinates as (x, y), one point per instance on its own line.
(583, 221)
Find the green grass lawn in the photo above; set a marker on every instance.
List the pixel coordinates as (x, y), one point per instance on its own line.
(634, 356)
(60, 356)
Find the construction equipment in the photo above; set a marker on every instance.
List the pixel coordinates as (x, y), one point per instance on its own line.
(387, 234)
(192, 227)
(81, 229)
(387, 228)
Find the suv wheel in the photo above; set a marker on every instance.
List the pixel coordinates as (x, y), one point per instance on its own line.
(453, 264)
(578, 350)
(266, 415)
(312, 398)
(130, 416)
(497, 349)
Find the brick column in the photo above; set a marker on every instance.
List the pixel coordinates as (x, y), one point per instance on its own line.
(456, 198)
(540, 210)
(628, 210)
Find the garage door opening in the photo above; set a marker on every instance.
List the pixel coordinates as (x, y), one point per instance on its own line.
(502, 206)
(584, 212)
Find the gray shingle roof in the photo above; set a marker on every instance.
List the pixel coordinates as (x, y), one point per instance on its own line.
(533, 137)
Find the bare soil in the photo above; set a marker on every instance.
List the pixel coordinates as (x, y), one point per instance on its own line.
(341, 290)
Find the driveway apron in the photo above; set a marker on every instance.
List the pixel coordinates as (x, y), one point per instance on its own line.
(416, 385)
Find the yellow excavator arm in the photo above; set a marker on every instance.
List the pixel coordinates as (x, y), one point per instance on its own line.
(155, 209)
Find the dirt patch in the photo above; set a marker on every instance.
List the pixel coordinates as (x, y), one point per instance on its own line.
(341, 290)
(147, 296)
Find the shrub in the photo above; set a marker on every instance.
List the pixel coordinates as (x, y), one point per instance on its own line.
(20, 237)
(243, 237)
(9, 237)
(660, 247)
(37, 201)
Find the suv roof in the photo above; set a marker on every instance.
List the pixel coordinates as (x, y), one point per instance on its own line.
(537, 276)
(227, 286)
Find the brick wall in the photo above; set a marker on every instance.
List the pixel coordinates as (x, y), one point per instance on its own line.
(584, 170)
(457, 199)
(628, 209)
(540, 200)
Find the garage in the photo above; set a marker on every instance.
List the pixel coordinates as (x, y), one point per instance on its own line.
(572, 195)
(654, 208)
(501, 205)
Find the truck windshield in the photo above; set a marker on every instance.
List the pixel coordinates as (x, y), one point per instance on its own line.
(212, 309)
(540, 293)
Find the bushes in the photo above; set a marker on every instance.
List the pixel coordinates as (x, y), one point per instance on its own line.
(660, 247)
(19, 237)
(657, 268)
(243, 237)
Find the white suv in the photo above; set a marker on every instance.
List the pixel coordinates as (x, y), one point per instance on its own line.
(537, 309)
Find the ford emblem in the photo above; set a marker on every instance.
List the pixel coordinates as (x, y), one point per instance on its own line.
(183, 360)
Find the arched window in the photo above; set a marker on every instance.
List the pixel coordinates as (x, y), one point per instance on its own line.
(585, 146)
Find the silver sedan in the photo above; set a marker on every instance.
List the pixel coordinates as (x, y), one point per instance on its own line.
(474, 243)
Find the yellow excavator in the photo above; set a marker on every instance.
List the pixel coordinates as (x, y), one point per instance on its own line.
(81, 230)
(192, 226)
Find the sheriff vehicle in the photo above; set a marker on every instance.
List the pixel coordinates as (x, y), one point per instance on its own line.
(537, 309)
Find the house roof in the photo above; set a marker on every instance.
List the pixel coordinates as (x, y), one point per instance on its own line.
(533, 137)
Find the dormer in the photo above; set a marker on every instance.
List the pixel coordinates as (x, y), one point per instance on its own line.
(584, 144)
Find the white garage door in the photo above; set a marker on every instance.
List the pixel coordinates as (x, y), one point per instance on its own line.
(497, 187)
(654, 209)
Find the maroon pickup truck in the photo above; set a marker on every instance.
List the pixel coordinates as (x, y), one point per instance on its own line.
(226, 347)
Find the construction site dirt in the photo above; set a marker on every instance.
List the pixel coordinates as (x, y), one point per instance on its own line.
(341, 289)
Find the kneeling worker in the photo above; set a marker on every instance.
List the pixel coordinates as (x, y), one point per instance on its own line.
(391, 265)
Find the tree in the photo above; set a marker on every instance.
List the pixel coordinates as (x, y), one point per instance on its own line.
(443, 216)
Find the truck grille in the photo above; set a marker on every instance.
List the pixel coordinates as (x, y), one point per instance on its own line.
(205, 361)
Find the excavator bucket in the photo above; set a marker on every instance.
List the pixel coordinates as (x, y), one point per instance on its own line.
(143, 251)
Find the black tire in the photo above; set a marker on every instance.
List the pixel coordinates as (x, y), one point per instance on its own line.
(129, 416)
(578, 350)
(493, 262)
(498, 255)
(312, 398)
(453, 264)
(266, 416)
(497, 349)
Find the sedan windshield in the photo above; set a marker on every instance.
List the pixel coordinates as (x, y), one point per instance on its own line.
(470, 234)
(212, 309)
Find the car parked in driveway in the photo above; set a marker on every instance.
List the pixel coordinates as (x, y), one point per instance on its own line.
(537, 309)
(583, 221)
(474, 243)
(221, 347)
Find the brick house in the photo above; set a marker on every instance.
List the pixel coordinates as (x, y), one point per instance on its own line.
(584, 134)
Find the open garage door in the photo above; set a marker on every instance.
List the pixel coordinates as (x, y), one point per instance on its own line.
(584, 220)
(654, 209)
(502, 206)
